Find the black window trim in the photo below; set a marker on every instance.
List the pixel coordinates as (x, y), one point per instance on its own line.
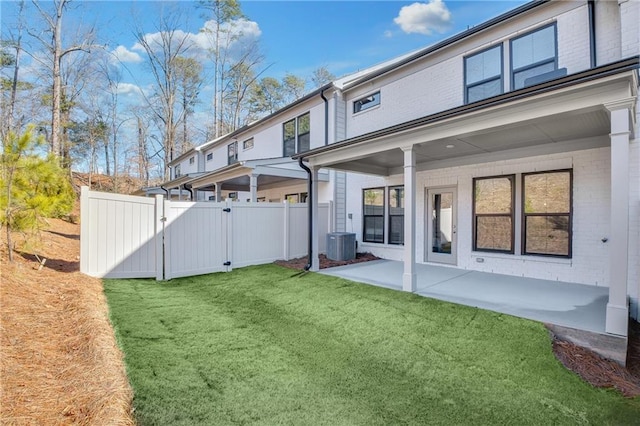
(366, 106)
(474, 215)
(235, 156)
(296, 136)
(553, 60)
(486, 80)
(384, 209)
(523, 230)
(394, 215)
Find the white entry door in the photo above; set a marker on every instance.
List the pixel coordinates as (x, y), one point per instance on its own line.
(441, 218)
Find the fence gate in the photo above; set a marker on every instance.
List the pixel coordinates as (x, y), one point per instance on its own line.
(195, 238)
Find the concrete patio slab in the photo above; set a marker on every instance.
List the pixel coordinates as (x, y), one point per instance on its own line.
(578, 306)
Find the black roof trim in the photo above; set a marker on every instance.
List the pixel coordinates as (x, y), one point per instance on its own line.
(457, 37)
(570, 80)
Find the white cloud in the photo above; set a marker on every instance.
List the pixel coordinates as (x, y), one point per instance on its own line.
(129, 89)
(234, 34)
(122, 54)
(424, 18)
(388, 34)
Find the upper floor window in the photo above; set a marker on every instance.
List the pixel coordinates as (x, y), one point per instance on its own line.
(176, 171)
(232, 152)
(210, 156)
(493, 213)
(192, 160)
(366, 102)
(546, 213)
(533, 54)
(248, 144)
(296, 135)
(483, 74)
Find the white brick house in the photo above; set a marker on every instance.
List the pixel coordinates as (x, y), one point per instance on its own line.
(510, 148)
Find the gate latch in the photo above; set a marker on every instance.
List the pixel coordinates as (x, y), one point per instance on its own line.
(227, 210)
(227, 263)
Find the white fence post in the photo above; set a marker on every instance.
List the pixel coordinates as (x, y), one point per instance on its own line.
(230, 236)
(84, 229)
(159, 238)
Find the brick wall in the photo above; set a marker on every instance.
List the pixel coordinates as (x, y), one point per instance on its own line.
(591, 211)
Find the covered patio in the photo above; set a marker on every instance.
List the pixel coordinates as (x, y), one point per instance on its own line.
(253, 176)
(576, 312)
(589, 110)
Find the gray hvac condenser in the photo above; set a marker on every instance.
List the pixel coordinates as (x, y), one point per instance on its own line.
(341, 245)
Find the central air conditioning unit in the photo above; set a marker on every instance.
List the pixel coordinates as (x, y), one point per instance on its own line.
(341, 245)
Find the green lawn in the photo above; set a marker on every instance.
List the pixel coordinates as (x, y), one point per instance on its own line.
(259, 346)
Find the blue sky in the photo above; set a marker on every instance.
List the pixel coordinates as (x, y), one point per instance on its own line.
(295, 36)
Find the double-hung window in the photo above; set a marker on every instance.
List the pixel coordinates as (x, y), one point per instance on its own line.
(533, 54)
(296, 135)
(483, 74)
(373, 215)
(396, 215)
(232, 152)
(493, 213)
(546, 213)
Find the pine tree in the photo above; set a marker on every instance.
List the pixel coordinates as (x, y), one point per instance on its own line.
(33, 187)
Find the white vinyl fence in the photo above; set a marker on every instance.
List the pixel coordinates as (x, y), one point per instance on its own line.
(135, 237)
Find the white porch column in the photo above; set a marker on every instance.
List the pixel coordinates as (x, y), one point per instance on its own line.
(315, 259)
(617, 307)
(253, 185)
(218, 192)
(409, 275)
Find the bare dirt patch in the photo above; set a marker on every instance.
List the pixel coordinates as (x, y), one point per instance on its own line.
(59, 362)
(325, 262)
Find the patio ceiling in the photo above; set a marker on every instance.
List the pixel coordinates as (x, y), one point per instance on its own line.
(589, 129)
(270, 174)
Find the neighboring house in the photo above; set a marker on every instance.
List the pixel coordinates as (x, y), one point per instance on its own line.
(509, 148)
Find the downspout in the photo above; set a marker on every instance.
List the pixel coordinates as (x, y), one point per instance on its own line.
(592, 32)
(165, 190)
(326, 117)
(310, 198)
(189, 188)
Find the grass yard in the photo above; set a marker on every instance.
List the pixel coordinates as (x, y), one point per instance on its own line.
(260, 346)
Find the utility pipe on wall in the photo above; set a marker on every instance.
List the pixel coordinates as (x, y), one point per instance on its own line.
(309, 202)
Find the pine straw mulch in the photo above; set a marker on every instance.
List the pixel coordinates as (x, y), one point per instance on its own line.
(602, 372)
(59, 362)
(594, 369)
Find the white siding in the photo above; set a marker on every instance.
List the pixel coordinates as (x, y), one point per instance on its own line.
(436, 83)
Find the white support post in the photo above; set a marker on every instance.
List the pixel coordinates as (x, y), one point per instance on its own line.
(218, 192)
(159, 238)
(287, 229)
(617, 307)
(253, 185)
(409, 275)
(315, 259)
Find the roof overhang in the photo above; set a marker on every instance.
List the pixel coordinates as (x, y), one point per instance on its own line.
(270, 173)
(568, 113)
(180, 181)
